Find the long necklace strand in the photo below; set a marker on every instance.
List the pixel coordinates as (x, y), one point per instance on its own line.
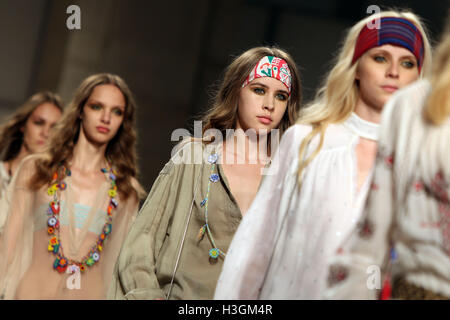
(215, 252)
(61, 262)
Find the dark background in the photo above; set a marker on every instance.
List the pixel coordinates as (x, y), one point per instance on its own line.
(171, 53)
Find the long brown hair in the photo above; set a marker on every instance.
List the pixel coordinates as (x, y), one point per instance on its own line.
(11, 134)
(120, 151)
(223, 113)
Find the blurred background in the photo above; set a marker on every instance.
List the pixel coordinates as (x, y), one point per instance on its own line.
(171, 53)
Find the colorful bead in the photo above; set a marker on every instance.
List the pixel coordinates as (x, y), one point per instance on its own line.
(99, 248)
(73, 268)
(50, 230)
(112, 193)
(203, 202)
(108, 228)
(54, 241)
(103, 170)
(214, 253)
(214, 177)
(90, 262)
(114, 202)
(95, 256)
(52, 222)
(55, 207)
(112, 176)
(109, 210)
(56, 263)
(394, 254)
(213, 158)
(82, 268)
(50, 191)
(62, 265)
(62, 185)
(201, 233)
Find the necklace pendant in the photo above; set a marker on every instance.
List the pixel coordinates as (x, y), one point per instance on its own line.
(55, 207)
(214, 177)
(114, 202)
(214, 253)
(60, 264)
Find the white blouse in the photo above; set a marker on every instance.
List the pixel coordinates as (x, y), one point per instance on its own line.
(285, 241)
(408, 207)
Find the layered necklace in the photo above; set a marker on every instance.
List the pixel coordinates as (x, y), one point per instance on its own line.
(55, 247)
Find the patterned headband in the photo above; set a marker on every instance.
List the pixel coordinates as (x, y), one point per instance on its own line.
(273, 67)
(395, 31)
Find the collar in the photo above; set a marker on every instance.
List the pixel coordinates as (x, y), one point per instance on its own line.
(363, 128)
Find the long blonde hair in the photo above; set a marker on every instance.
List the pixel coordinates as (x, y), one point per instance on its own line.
(437, 108)
(120, 152)
(223, 113)
(336, 99)
(11, 134)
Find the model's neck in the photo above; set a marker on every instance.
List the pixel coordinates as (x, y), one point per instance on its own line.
(241, 148)
(87, 156)
(367, 112)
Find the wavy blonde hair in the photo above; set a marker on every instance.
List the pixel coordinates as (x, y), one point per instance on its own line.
(224, 111)
(336, 99)
(437, 108)
(11, 134)
(120, 152)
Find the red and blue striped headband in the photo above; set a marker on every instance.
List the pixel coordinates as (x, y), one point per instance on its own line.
(395, 31)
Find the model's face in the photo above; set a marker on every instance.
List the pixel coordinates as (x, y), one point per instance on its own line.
(262, 104)
(382, 71)
(103, 114)
(38, 126)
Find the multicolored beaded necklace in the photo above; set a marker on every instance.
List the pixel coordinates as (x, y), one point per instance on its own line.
(215, 252)
(61, 262)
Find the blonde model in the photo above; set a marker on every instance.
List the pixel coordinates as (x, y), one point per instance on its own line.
(402, 242)
(302, 214)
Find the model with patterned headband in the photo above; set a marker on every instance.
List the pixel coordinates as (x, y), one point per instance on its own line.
(176, 247)
(301, 215)
(405, 227)
(71, 207)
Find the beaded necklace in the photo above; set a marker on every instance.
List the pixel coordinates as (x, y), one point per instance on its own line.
(215, 252)
(61, 262)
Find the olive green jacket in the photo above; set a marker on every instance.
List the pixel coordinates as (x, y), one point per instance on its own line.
(148, 257)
